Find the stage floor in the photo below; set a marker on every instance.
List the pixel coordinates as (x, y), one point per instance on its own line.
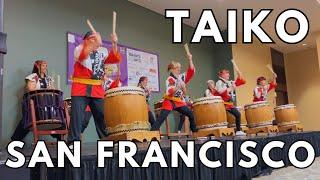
(89, 170)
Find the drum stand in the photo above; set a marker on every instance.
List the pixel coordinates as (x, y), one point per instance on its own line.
(291, 128)
(264, 129)
(37, 132)
(219, 132)
(140, 136)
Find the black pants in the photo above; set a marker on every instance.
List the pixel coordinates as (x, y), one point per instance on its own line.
(20, 132)
(182, 118)
(237, 115)
(151, 118)
(164, 114)
(78, 112)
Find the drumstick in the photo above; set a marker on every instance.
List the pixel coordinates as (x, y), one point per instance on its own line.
(235, 66)
(90, 26)
(186, 47)
(58, 82)
(270, 68)
(114, 22)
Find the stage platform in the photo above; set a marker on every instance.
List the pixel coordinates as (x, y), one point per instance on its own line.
(89, 170)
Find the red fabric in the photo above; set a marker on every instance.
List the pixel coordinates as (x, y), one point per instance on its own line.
(240, 81)
(113, 58)
(167, 104)
(88, 109)
(272, 85)
(189, 74)
(81, 71)
(115, 84)
(84, 53)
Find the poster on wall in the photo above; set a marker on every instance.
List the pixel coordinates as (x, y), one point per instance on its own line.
(135, 63)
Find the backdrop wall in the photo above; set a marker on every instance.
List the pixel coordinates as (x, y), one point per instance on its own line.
(37, 29)
(303, 83)
(252, 60)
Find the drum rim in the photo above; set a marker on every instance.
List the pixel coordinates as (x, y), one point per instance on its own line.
(258, 104)
(125, 90)
(285, 106)
(215, 99)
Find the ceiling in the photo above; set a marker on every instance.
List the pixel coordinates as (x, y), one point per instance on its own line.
(310, 7)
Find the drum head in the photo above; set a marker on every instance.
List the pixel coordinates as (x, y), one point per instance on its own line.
(256, 105)
(125, 91)
(286, 106)
(207, 100)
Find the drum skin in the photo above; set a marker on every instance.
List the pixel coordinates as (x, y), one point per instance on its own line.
(286, 115)
(124, 107)
(211, 112)
(259, 114)
(232, 120)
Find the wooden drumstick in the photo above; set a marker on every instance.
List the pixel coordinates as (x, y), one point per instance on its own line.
(114, 22)
(186, 47)
(271, 69)
(235, 66)
(90, 26)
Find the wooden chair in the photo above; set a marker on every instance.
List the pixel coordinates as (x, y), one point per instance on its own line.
(37, 132)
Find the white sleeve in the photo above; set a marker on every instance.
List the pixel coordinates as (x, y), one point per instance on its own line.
(256, 92)
(77, 52)
(208, 93)
(220, 86)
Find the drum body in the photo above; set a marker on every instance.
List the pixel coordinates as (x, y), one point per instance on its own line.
(49, 108)
(286, 115)
(232, 120)
(259, 114)
(210, 113)
(125, 110)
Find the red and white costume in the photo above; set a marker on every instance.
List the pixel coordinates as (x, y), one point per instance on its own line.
(228, 97)
(261, 92)
(211, 93)
(89, 70)
(176, 99)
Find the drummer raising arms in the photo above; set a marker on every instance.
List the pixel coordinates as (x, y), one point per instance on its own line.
(226, 89)
(143, 84)
(175, 89)
(35, 81)
(87, 89)
(260, 93)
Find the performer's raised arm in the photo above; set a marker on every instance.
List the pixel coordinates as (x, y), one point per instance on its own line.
(114, 55)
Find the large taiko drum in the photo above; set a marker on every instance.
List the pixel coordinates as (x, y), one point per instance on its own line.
(286, 115)
(125, 110)
(210, 113)
(259, 114)
(232, 120)
(48, 108)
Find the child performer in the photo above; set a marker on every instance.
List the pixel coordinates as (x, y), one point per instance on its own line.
(175, 90)
(261, 91)
(211, 91)
(226, 89)
(143, 83)
(87, 88)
